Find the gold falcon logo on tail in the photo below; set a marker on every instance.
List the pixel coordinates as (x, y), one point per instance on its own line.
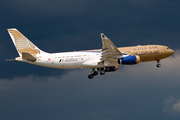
(22, 44)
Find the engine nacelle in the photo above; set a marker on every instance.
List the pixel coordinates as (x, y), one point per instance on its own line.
(109, 69)
(129, 60)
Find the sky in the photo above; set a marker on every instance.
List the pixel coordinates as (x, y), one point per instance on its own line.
(142, 91)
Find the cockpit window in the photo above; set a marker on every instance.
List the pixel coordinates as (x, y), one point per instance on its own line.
(168, 48)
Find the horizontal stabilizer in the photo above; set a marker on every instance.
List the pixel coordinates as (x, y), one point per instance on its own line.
(10, 60)
(27, 56)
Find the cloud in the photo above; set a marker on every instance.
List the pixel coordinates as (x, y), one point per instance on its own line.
(176, 106)
(172, 106)
(123, 94)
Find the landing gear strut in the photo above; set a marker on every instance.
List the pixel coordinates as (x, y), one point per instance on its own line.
(101, 71)
(93, 73)
(158, 65)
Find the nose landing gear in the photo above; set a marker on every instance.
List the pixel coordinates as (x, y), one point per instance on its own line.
(158, 64)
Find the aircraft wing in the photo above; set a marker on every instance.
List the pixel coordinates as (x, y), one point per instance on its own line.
(109, 52)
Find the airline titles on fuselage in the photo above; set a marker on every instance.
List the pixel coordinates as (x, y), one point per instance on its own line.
(146, 50)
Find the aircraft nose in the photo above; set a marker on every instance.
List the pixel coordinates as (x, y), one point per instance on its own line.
(171, 51)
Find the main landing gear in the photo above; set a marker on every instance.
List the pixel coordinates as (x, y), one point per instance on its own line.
(158, 65)
(94, 73)
(102, 72)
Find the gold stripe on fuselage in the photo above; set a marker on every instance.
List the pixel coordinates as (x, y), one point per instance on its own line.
(146, 52)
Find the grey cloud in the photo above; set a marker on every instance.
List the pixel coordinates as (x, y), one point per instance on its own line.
(176, 106)
(134, 92)
(172, 106)
(168, 104)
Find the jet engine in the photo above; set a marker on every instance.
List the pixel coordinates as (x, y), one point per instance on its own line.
(129, 60)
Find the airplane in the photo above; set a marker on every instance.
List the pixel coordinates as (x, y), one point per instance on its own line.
(100, 61)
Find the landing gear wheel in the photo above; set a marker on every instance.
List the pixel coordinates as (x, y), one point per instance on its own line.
(102, 72)
(95, 73)
(158, 65)
(90, 76)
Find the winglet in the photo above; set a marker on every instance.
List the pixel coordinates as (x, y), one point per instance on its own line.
(103, 36)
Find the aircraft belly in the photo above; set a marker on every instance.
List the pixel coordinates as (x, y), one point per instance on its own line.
(59, 65)
(72, 65)
(145, 58)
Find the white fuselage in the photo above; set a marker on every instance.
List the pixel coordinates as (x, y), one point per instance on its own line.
(68, 60)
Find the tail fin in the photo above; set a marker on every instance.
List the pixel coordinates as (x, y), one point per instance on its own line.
(22, 44)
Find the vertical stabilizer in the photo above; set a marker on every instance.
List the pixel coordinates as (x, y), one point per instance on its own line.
(22, 44)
